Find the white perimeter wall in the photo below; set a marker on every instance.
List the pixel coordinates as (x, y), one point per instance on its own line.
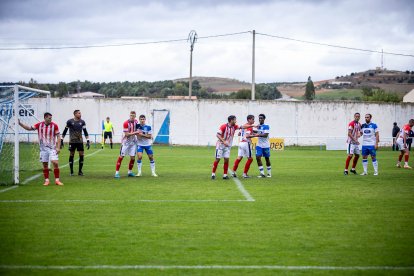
(195, 122)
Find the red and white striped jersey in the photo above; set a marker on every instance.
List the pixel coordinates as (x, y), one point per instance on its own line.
(244, 133)
(226, 132)
(355, 127)
(129, 127)
(47, 134)
(405, 129)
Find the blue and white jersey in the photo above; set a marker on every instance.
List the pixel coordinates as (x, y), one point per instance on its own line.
(368, 134)
(263, 142)
(145, 129)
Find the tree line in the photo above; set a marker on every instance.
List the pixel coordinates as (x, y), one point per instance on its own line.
(157, 89)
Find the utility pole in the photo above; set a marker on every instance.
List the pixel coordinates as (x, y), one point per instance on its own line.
(192, 37)
(253, 66)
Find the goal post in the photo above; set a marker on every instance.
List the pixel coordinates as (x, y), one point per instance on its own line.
(17, 103)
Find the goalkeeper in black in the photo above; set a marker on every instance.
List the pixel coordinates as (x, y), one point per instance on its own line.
(76, 126)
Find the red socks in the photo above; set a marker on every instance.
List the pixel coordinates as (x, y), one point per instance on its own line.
(215, 166)
(406, 157)
(348, 159)
(236, 164)
(56, 172)
(46, 173)
(247, 166)
(356, 157)
(131, 164)
(226, 168)
(400, 157)
(118, 163)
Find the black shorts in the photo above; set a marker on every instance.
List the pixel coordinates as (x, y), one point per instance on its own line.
(107, 135)
(76, 146)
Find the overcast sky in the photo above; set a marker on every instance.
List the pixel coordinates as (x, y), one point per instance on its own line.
(368, 24)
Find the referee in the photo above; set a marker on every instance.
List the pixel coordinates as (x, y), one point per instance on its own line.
(108, 132)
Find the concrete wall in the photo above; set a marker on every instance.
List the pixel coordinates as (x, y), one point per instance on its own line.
(195, 122)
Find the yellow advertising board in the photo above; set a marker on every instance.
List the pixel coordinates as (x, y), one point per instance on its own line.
(275, 143)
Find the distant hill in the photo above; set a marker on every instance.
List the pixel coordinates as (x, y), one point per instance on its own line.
(219, 85)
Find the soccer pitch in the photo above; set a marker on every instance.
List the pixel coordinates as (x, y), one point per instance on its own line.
(307, 219)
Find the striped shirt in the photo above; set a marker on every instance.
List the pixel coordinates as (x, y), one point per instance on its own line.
(355, 128)
(129, 127)
(226, 132)
(47, 135)
(246, 132)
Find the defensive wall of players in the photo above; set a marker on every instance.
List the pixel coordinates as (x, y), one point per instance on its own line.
(195, 122)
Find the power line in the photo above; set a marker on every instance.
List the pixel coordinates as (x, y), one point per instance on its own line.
(335, 46)
(114, 45)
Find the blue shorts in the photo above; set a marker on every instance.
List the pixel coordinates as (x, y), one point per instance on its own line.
(265, 152)
(369, 150)
(148, 149)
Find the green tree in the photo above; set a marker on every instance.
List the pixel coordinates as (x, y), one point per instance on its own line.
(310, 90)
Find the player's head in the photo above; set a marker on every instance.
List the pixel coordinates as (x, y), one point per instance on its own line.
(107, 119)
(395, 124)
(357, 116)
(142, 119)
(368, 118)
(262, 118)
(232, 120)
(132, 115)
(411, 122)
(48, 117)
(250, 119)
(77, 114)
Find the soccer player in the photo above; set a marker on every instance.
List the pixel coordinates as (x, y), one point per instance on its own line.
(245, 149)
(49, 142)
(263, 146)
(75, 127)
(354, 130)
(370, 140)
(402, 144)
(225, 136)
(145, 143)
(129, 144)
(108, 132)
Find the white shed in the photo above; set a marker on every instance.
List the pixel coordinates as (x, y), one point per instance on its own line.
(409, 97)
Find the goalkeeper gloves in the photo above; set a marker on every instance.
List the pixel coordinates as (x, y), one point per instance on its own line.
(88, 145)
(61, 143)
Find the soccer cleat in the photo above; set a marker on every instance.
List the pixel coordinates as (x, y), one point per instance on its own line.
(269, 175)
(226, 177)
(354, 171)
(213, 177)
(364, 173)
(234, 174)
(345, 172)
(58, 183)
(398, 165)
(246, 176)
(131, 174)
(154, 174)
(46, 182)
(139, 173)
(117, 175)
(261, 176)
(71, 174)
(80, 173)
(407, 167)
(375, 173)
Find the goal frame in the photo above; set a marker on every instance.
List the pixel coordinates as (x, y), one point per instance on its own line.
(16, 105)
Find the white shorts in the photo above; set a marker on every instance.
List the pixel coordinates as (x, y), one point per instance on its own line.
(400, 144)
(245, 150)
(47, 155)
(352, 149)
(222, 151)
(128, 149)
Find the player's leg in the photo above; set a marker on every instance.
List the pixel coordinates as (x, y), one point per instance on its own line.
(150, 154)
(226, 167)
(81, 158)
(266, 155)
(54, 158)
(259, 155)
(139, 160)
(365, 153)
(110, 140)
(356, 157)
(122, 153)
(350, 153)
(218, 155)
(374, 161)
(406, 157)
(248, 154)
(46, 173)
(131, 152)
(72, 149)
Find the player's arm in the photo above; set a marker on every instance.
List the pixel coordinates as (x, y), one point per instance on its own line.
(376, 139)
(58, 143)
(224, 142)
(26, 127)
(85, 132)
(352, 137)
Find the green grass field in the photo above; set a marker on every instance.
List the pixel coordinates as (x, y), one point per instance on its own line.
(307, 219)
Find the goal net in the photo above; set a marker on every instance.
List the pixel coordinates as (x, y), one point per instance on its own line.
(19, 149)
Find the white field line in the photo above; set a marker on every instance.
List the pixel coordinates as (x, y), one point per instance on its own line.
(205, 267)
(242, 189)
(67, 164)
(116, 201)
(9, 188)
